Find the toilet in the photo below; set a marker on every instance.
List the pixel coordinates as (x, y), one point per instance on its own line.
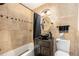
(63, 46)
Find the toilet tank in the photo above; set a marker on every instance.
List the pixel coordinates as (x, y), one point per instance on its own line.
(63, 45)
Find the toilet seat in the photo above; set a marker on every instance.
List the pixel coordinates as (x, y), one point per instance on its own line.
(61, 53)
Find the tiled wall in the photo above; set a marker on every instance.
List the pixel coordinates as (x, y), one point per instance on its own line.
(65, 14)
(16, 26)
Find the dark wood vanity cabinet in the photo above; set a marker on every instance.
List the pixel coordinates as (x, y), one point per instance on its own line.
(46, 47)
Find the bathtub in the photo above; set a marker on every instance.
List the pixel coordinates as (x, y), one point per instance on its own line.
(25, 50)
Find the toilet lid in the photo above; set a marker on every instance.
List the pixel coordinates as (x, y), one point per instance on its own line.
(61, 53)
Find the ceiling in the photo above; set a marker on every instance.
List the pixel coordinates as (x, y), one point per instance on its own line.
(32, 5)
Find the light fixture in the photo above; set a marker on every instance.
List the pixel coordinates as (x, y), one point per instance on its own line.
(45, 12)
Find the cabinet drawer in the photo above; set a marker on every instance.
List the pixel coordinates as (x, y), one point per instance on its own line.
(45, 44)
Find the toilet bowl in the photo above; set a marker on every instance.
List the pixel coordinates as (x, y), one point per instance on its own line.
(63, 47)
(61, 53)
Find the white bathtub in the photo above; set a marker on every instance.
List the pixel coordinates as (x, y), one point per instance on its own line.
(25, 50)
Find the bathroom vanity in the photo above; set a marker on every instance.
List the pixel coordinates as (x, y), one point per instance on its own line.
(43, 40)
(44, 46)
